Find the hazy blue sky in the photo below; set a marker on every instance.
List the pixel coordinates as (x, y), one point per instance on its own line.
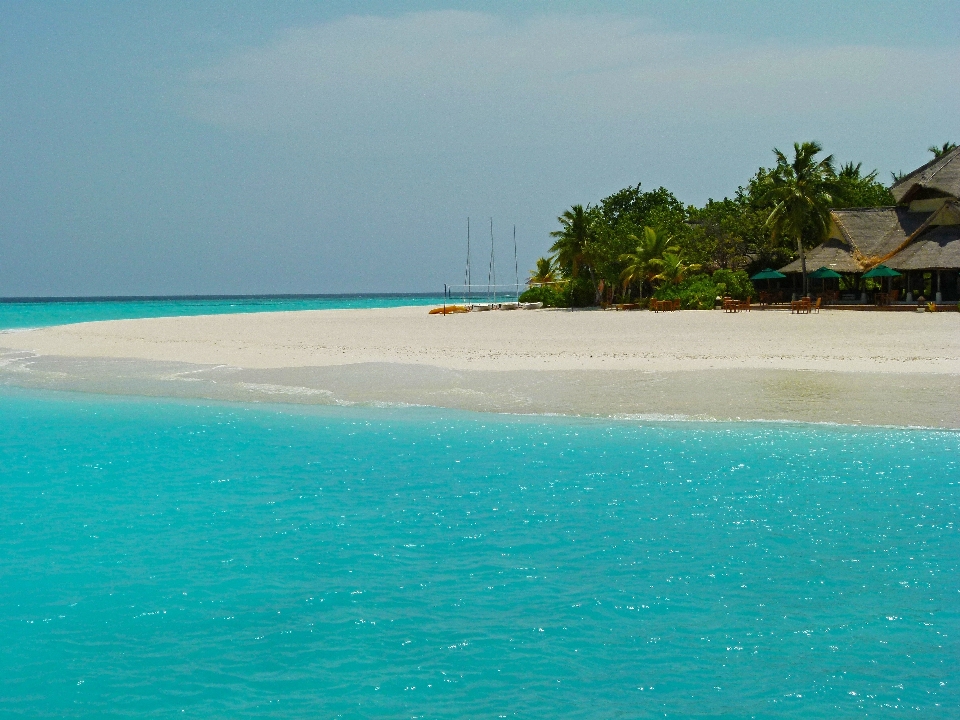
(158, 148)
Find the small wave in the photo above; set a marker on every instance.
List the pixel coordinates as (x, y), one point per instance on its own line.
(272, 389)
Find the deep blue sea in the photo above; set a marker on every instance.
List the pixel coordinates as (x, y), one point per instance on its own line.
(174, 559)
(24, 314)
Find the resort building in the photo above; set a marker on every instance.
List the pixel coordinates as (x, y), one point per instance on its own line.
(919, 237)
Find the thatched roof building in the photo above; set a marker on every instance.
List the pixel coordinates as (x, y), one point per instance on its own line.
(921, 233)
(939, 178)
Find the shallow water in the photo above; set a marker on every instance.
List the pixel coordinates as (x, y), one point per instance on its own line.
(161, 558)
(61, 312)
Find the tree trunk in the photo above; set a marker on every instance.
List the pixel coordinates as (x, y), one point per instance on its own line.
(596, 289)
(803, 266)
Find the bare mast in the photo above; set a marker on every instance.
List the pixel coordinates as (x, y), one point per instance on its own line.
(466, 272)
(516, 265)
(492, 271)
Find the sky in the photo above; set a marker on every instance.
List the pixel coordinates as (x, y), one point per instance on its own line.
(293, 147)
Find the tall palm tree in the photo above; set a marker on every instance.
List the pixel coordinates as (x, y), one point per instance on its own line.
(650, 248)
(673, 270)
(543, 273)
(942, 150)
(802, 192)
(573, 245)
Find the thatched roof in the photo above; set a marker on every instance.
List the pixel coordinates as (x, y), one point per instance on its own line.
(867, 236)
(940, 176)
(936, 249)
(876, 232)
(834, 254)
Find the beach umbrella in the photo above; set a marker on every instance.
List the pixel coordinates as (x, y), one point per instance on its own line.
(768, 274)
(823, 273)
(881, 271)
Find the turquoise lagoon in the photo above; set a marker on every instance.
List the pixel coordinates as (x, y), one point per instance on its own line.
(173, 559)
(29, 313)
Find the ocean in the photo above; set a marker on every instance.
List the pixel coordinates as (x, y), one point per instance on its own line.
(164, 558)
(25, 313)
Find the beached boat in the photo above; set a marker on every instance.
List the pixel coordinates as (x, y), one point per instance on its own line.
(531, 305)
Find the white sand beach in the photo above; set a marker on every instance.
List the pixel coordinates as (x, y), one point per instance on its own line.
(857, 367)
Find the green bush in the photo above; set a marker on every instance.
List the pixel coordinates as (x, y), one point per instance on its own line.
(735, 284)
(578, 292)
(697, 292)
(549, 295)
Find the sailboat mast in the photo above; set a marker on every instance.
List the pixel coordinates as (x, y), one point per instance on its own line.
(467, 271)
(516, 265)
(492, 274)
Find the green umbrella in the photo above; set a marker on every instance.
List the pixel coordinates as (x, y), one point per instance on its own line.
(768, 274)
(823, 273)
(881, 271)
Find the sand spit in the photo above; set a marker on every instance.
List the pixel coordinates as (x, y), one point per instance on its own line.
(874, 368)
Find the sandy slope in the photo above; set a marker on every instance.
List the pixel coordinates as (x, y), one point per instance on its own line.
(527, 340)
(899, 368)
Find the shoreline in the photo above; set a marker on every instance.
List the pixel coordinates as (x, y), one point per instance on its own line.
(702, 365)
(273, 405)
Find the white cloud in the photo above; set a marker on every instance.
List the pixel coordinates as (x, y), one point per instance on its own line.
(424, 78)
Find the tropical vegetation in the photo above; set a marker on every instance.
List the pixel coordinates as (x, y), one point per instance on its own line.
(637, 243)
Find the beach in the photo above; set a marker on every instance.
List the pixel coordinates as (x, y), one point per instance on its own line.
(844, 367)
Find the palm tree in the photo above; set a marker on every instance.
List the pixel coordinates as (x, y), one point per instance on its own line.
(544, 272)
(802, 192)
(572, 247)
(852, 172)
(640, 263)
(942, 150)
(673, 270)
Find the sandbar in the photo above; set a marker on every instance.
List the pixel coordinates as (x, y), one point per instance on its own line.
(878, 368)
